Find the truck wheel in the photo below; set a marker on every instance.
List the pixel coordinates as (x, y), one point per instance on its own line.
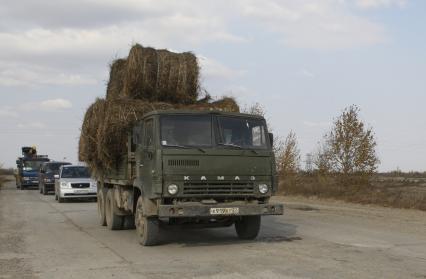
(101, 207)
(114, 221)
(129, 222)
(247, 227)
(147, 228)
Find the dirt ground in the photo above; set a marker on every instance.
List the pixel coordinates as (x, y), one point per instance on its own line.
(40, 238)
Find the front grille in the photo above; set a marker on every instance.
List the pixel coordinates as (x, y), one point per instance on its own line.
(80, 185)
(218, 189)
(183, 163)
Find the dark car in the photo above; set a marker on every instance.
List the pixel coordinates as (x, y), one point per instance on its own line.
(47, 174)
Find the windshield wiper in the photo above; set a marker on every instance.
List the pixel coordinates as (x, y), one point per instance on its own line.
(177, 145)
(230, 145)
(186, 147)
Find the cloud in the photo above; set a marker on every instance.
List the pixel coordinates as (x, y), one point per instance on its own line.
(47, 105)
(23, 74)
(55, 104)
(307, 73)
(8, 112)
(32, 125)
(215, 69)
(324, 25)
(368, 4)
(59, 42)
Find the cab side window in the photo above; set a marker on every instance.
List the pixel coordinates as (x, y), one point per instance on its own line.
(149, 133)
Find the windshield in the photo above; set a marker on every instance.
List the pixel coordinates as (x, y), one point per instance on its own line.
(32, 165)
(191, 130)
(242, 132)
(54, 168)
(75, 172)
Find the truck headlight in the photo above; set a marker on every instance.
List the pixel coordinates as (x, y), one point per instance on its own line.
(263, 188)
(26, 178)
(172, 189)
(64, 184)
(93, 184)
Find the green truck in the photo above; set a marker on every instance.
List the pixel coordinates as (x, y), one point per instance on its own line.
(196, 168)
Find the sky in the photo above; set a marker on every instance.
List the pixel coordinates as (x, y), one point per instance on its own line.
(304, 61)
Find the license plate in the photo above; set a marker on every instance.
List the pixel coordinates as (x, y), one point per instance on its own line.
(81, 191)
(224, 211)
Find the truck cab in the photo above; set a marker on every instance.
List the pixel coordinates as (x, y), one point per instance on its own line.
(193, 168)
(28, 167)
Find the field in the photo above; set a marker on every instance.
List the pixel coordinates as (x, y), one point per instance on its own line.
(5, 175)
(400, 190)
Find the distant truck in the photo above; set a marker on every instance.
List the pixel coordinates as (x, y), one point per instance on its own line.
(191, 168)
(28, 167)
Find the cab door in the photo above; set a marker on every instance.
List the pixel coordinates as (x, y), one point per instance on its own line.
(148, 157)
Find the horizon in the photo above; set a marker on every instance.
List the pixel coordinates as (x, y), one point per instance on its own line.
(303, 61)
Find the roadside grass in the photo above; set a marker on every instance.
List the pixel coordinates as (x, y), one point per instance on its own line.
(390, 191)
(4, 175)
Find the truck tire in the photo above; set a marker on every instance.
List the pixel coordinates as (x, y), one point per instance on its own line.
(129, 222)
(101, 206)
(147, 228)
(247, 227)
(114, 221)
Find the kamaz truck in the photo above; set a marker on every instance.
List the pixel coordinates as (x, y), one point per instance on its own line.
(28, 167)
(191, 168)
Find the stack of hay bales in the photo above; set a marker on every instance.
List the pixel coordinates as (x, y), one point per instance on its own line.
(147, 80)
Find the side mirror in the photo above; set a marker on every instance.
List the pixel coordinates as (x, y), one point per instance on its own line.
(18, 163)
(271, 139)
(56, 176)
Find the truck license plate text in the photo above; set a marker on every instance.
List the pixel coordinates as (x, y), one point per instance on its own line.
(224, 211)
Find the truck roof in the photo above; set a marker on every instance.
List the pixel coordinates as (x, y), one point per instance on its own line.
(199, 112)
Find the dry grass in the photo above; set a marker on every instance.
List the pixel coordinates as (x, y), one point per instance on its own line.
(4, 173)
(397, 192)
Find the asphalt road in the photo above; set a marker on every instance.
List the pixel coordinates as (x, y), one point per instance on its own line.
(40, 238)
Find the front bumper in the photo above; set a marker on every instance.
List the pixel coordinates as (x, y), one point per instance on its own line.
(78, 193)
(29, 183)
(202, 210)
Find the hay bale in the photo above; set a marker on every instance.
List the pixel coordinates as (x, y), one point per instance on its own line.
(116, 79)
(88, 143)
(161, 76)
(120, 117)
(227, 104)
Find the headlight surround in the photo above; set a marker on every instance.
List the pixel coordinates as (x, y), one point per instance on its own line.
(93, 184)
(64, 184)
(27, 178)
(173, 189)
(263, 188)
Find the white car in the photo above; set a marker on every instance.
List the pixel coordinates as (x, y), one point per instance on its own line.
(74, 182)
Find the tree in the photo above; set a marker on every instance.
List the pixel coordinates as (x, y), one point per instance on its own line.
(289, 159)
(349, 147)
